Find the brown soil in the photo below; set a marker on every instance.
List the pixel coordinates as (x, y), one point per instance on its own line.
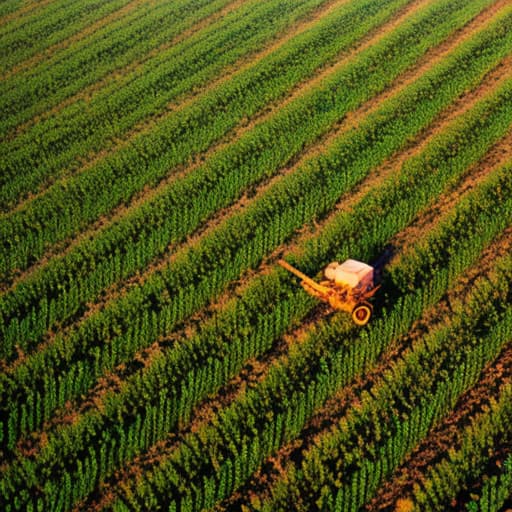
(111, 383)
(247, 62)
(491, 82)
(148, 193)
(349, 397)
(433, 317)
(86, 31)
(28, 8)
(253, 373)
(87, 93)
(447, 435)
(499, 155)
(430, 59)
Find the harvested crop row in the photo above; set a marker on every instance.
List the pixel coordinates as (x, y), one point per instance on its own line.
(436, 94)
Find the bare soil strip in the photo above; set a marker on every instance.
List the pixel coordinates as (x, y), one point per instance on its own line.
(149, 193)
(497, 156)
(492, 82)
(323, 421)
(429, 60)
(25, 9)
(256, 369)
(338, 406)
(65, 43)
(254, 372)
(87, 93)
(446, 436)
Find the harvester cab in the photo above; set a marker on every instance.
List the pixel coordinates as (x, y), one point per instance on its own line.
(347, 287)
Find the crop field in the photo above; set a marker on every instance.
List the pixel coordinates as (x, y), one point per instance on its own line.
(158, 158)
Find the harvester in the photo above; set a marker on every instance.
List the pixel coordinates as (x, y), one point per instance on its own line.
(348, 287)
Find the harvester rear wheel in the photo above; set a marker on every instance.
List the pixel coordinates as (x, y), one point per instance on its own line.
(362, 313)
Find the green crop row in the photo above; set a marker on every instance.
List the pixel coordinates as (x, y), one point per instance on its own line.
(53, 295)
(114, 335)
(178, 137)
(34, 91)
(9, 6)
(130, 424)
(495, 489)
(450, 474)
(32, 34)
(189, 386)
(147, 232)
(345, 467)
(74, 133)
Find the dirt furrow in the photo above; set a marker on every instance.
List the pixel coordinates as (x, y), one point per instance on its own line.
(349, 397)
(499, 155)
(86, 31)
(415, 146)
(25, 9)
(433, 316)
(249, 377)
(389, 168)
(491, 82)
(148, 193)
(270, 110)
(87, 93)
(496, 78)
(446, 436)
(112, 382)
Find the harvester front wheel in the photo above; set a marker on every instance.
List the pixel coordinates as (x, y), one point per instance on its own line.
(361, 313)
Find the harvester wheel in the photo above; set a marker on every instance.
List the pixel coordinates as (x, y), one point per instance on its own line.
(361, 313)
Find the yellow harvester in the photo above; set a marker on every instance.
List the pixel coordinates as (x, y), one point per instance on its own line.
(347, 287)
